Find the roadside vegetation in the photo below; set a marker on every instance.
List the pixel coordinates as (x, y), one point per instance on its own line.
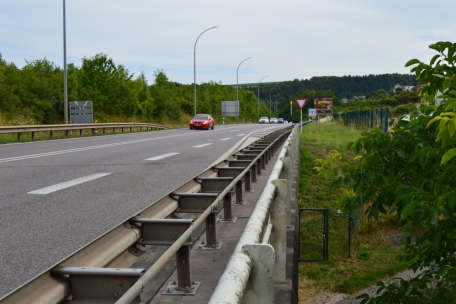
(34, 95)
(409, 174)
(372, 256)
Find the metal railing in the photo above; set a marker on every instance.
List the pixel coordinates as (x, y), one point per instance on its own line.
(70, 127)
(259, 259)
(119, 248)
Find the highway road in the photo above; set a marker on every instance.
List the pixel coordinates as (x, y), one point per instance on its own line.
(57, 196)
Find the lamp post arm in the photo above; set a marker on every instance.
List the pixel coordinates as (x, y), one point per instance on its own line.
(237, 78)
(259, 96)
(194, 67)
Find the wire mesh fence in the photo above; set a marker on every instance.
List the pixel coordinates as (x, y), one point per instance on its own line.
(366, 118)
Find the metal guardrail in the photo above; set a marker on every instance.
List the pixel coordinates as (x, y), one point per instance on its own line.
(70, 127)
(102, 264)
(259, 259)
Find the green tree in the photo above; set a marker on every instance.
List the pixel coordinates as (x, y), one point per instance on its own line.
(410, 172)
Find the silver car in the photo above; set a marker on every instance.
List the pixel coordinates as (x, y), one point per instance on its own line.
(273, 120)
(264, 120)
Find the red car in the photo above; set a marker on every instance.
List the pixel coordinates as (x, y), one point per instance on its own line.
(202, 121)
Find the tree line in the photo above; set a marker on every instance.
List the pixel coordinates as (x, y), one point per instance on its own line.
(343, 87)
(36, 92)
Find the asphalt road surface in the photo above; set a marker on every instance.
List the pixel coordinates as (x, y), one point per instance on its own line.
(57, 196)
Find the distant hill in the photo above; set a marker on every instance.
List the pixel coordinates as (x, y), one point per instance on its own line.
(343, 87)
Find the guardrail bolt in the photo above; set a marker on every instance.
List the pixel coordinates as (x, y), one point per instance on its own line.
(120, 283)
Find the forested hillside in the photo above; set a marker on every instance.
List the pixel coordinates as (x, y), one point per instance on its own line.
(34, 94)
(342, 87)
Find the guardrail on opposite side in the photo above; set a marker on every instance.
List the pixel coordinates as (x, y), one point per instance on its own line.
(69, 127)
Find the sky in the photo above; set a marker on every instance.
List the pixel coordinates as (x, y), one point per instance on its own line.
(287, 39)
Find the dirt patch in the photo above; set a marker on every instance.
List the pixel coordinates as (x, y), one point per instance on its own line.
(395, 239)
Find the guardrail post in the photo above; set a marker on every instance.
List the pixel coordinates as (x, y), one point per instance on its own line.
(33, 135)
(263, 161)
(260, 287)
(211, 233)
(227, 209)
(239, 200)
(254, 173)
(184, 274)
(278, 238)
(266, 157)
(247, 182)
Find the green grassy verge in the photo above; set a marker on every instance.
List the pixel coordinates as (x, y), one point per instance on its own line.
(372, 258)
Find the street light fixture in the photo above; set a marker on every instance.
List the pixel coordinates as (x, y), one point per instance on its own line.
(65, 86)
(194, 67)
(259, 96)
(237, 79)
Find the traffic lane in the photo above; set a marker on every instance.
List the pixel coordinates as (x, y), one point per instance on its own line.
(56, 225)
(36, 173)
(20, 149)
(54, 167)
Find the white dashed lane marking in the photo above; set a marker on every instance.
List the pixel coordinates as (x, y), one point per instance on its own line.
(226, 138)
(162, 156)
(68, 184)
(203, 145)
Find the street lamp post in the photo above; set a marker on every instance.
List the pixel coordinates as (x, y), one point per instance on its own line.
(194, 68)
(270, 101)
(237, 79)
(65, 86)
(259, 96)
(276, 102)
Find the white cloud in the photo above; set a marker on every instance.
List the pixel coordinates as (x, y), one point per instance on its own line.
(288, 39)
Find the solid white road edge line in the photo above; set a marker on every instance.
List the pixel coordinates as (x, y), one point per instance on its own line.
(162, 156)
(68, 184)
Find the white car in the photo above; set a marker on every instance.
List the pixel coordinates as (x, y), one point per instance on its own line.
(264, 120)
(273, 120)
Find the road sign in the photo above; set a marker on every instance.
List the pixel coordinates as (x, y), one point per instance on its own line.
(312, 112)
(301, 102)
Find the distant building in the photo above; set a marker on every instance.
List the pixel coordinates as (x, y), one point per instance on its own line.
(355, 98)
(403, 88)
(344, 100)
